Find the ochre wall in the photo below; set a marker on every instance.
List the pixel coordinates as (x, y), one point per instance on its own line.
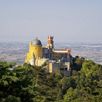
(34, 50)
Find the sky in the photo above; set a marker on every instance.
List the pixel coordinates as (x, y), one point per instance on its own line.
(66, 20)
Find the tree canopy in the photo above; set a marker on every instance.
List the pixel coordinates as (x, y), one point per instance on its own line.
(26, 83)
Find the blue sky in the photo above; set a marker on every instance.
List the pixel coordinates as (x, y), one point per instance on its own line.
(66, 20)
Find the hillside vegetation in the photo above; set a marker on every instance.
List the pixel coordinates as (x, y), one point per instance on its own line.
(33, 84)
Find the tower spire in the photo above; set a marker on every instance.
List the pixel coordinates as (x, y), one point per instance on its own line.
(50, 43)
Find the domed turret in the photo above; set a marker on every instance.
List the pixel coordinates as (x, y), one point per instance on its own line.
(36, 42)
(35, 51)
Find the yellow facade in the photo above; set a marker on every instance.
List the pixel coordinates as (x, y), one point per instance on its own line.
(35, 51)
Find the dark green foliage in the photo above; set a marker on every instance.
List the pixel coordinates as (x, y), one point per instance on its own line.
(27, 84)
(88, 87)
(33, 84)
(77, 63)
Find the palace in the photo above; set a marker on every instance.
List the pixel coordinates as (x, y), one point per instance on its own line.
(58, 60)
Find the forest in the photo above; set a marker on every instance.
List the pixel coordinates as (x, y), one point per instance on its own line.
(26, 83)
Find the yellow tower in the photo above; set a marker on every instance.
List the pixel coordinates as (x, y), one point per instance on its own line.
(35, 51)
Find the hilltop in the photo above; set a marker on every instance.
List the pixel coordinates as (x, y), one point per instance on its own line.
(27, 83)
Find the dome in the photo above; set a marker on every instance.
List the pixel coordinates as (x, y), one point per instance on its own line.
(36, 42)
